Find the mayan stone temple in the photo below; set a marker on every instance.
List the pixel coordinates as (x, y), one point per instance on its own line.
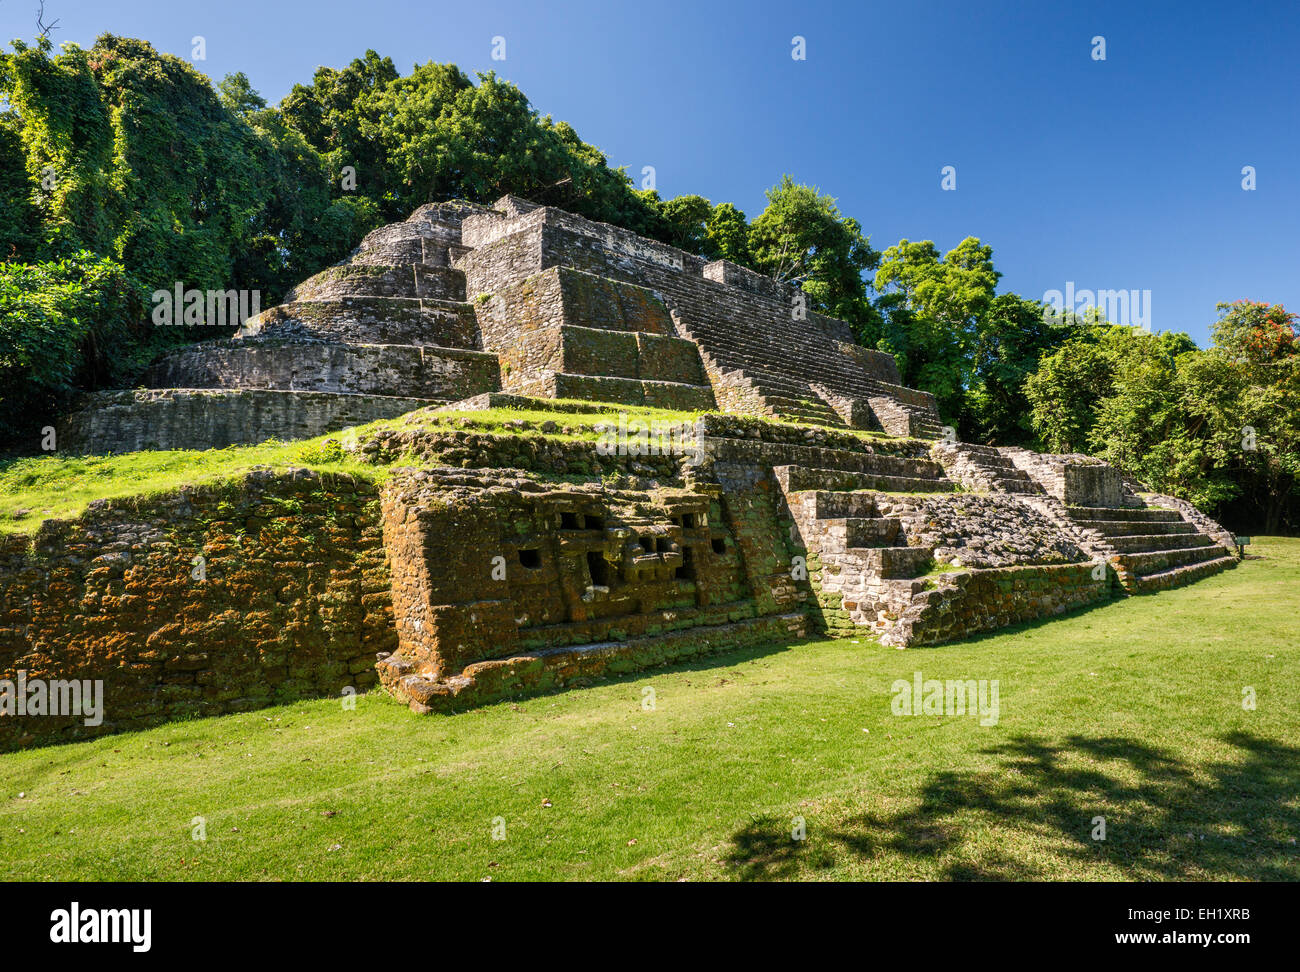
(795, 488)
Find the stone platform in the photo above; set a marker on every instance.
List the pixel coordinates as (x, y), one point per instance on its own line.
(803, 491)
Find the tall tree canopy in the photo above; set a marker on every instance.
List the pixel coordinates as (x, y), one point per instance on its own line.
(1220, 427)
(933, 307)
(802, 236)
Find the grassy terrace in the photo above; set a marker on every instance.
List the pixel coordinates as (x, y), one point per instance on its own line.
(37, 488)
(1131, 711)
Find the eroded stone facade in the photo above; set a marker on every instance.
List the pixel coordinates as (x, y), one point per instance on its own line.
(204, 601)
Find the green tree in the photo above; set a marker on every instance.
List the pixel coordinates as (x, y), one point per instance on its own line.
(1254, 333)
(63, 325)
(727, 233)
(802, 237)
(1260, 345)
(1067, 391)
(19, 221)
(1010, 340)
(238, 96)
(686, 219)
(932, 309)
(444, 137)
(130, 155)
(337, 115)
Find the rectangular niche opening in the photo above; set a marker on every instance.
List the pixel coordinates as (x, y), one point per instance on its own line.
(663, 545)
(688, 520)
(598, 568)
(568, 521)
(593, 522)
(687, 570)
(532, 559)
(719, 545)
(648, 544)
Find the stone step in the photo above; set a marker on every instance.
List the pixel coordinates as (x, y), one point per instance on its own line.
(1126, 528)
(1156, 561)
(1100, 513)
(759, 357)
(379, 280)
(861, 531)
(1007, 473)
(632, 391)
(976, 449)
(883, 473)
(1145, 543)
(814, 406)
(1016, 486)
(759, 362)
(1178, 576)
(894, 562)
(985, 467)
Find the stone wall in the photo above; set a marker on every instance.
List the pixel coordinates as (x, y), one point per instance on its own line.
(354, 369)
(489, 568)
(292, 601)
(565, 333)
(194, 418)
(369, 320)
(757, 532)
(559, 295)
(962, 603)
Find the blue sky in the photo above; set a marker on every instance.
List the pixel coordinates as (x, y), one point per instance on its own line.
(1115, 174)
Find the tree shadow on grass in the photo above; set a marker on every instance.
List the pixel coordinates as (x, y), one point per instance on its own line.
(1165, 820)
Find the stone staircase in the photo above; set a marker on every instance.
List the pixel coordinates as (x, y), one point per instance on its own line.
(766, 391)
(762, 367)
(874, 472)
(983, 469)
(860, 565)
(1154, 548)
(902, 418)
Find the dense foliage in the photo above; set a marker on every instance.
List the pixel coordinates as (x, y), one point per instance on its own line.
(124, 171)
(63, 325)
(1220, 427)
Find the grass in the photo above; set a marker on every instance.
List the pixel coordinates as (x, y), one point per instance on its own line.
(37, 488)
(1131, 711)
(577, 425)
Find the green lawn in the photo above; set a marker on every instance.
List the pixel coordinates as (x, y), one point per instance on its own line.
(1132, 711)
